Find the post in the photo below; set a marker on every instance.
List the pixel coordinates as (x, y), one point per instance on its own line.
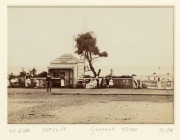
(84, 65)
(140, 82)
(133, 82)
(74, 81)
(73, 44)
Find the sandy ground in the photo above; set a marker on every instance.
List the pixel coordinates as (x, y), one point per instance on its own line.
(36, 106)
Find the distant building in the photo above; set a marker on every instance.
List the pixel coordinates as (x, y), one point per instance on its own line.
(66, 67)
(159, 81)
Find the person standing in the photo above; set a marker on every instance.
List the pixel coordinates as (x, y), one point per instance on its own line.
(111, 84)
(107, 81)
(62, 82)
(27, 80)
(49, 82)
(27, 76)
(97, 79)
(36, 83)
(103, 83)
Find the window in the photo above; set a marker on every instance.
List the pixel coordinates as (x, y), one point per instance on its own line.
(56, 74)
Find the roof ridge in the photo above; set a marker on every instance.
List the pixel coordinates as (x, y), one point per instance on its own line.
(66, 55)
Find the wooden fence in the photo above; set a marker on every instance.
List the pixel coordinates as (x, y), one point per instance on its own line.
(118, 82)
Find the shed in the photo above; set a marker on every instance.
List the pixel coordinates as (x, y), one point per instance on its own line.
(66, 67)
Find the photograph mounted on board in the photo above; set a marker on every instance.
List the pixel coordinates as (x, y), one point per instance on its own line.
(90, 65)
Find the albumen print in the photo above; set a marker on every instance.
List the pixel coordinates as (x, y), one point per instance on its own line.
(90, 65)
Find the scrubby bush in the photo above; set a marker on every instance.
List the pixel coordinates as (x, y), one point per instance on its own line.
(42, 74)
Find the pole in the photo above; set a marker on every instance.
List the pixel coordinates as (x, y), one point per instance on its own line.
(73, 65)
(73, 44)
(84, 65)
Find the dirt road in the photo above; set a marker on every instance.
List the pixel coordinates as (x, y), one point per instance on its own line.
(36, 106)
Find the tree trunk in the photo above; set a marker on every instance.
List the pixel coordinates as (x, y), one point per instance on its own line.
(92, 68)
(89, 59)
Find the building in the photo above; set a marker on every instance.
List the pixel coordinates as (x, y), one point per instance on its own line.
(66, 67)
(159, 81)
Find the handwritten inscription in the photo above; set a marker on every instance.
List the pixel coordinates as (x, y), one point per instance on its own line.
(19, 130)
(101, 129)
(129, 129)
(166, 130)
(53, 129)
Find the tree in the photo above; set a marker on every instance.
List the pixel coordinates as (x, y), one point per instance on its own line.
(34, 71)
(86, 46)
(22, 73)
(42, 74)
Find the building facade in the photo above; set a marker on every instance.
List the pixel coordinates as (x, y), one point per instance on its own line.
(67, 69)
(159, 81)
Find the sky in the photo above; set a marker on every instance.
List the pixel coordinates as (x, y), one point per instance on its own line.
(133, 37)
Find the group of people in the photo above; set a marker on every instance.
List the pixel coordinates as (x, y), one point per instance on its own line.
(23, 81)
(107, 82)
(93, 83)
(96, 83)
(29, 83)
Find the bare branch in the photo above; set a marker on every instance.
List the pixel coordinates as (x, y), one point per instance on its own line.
(94, 58)
(90, 55)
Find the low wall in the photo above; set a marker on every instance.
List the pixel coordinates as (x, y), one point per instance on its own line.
(123, 82)
(118, 82)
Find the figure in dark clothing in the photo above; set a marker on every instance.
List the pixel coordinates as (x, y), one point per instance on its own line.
(48, 81)
(27, 80)
(107, 81)
(97, 79)
(103, 83)
(27, 76)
